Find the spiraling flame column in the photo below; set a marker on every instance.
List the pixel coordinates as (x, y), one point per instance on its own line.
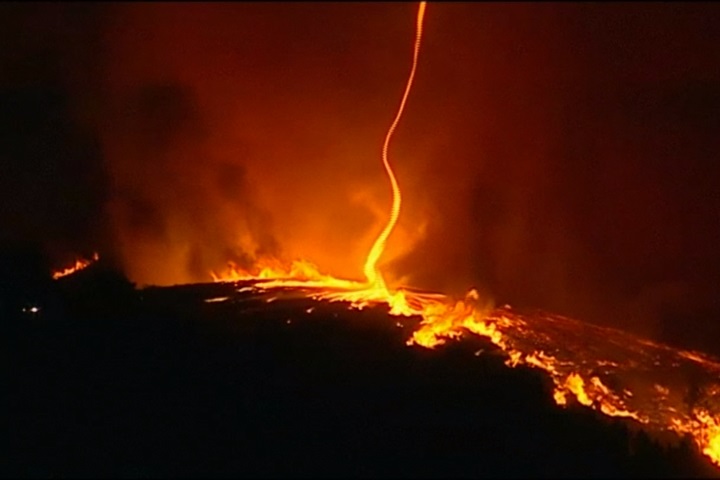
(373, 275)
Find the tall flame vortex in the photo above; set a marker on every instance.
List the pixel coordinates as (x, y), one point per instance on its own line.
(373, 275)
(621, 375)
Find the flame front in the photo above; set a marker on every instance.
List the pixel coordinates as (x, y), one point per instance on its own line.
(79, 264)
(620, 375)
(608, 370)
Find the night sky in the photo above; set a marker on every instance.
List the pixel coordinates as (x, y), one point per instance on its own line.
(559, 156)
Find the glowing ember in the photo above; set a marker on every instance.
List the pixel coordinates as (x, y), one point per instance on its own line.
(613, 372)
(76, 267)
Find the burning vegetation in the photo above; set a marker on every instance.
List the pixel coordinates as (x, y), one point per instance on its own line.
(79, 264)
(662, 388)
(189, 195)
(613, 372)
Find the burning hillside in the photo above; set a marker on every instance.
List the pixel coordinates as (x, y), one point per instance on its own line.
(662, 388)
(658, 387)
(226, 379)
(615, 373)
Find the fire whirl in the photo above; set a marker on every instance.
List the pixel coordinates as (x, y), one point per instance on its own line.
(662, 388)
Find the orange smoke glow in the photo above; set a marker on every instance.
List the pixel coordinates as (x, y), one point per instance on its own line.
(79, 264)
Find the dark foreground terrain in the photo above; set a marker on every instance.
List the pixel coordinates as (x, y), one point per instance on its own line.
(112, 381)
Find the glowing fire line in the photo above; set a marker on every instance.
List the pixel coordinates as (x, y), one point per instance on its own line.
(77, 266)
(370, 269)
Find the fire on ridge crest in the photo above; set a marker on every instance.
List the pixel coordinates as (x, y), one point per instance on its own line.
(610, 371)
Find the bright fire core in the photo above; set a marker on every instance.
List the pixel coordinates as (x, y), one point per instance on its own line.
(617, 374)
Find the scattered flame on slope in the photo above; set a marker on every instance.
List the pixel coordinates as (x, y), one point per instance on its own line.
(651, 382)
(79, 264)
(605, 369)
(608, 370)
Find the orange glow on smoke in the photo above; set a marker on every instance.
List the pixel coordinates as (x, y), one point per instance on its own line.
(615, 373)
(77, 266)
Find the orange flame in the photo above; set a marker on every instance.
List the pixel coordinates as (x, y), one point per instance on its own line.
(79, 264)
(621, 376)
(302, 273)
(370, 269)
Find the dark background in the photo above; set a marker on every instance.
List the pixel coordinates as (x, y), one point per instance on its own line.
(561, 156)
